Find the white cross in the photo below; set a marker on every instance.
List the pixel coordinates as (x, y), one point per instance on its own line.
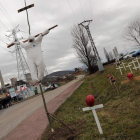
(95, 115)
(129, 66)
(120, 69)
(123, 65)
(138, 63)
(134, 64)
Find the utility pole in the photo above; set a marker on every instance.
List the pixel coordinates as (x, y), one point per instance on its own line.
(96, 54)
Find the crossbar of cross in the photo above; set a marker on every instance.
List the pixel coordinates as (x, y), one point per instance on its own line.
(95, 115)
(25, 8)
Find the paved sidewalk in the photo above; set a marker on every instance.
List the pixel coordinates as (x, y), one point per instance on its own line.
(33, 126)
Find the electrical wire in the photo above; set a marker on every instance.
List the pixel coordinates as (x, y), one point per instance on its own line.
(8, 17)
(3, 25)
(55, 51)
(53, 44)
(3, 41)
(5, 49)
(72, 9)
(82, 10)
(57, 39)
(1, 31)
(91, 8)
(8, 14)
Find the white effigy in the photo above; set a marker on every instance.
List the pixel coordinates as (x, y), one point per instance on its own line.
(34, 55)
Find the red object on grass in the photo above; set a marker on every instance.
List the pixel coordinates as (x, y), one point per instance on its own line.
(90, 100)
(108, 76)
(113, 80)
(112, 77)
(130, 76)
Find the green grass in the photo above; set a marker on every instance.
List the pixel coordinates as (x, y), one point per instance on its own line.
(120, 116)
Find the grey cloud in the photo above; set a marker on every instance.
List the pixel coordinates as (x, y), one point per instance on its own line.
(109, 20)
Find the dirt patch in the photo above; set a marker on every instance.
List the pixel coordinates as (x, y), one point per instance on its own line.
(62, 133)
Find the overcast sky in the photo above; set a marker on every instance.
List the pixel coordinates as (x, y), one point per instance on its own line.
(110, 17)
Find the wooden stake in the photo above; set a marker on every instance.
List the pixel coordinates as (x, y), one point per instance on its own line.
(27, 17)
(52, 130)
(116, 88)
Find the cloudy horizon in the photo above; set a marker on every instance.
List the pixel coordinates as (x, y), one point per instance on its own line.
(110, 18)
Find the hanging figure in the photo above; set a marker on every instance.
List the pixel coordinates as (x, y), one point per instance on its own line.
(35, 56)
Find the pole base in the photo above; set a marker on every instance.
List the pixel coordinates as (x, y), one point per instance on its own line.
(100, 65)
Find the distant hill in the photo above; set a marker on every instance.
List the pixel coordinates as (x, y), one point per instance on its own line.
(60, 73)
(83, 67)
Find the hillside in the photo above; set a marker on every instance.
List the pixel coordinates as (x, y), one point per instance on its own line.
(60, 73)
(119, 118)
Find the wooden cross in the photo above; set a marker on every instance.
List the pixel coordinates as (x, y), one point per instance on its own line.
(129, 66)
(95, 115)
(132, 82)
(123, 65)
(34, 36)
(25, 8)
(120, 69)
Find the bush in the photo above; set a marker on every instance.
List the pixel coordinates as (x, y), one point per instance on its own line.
(106, 63)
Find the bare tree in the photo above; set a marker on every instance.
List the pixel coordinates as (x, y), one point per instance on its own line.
(110, 55)
(80, 44)
(132, 32)
(106, 55)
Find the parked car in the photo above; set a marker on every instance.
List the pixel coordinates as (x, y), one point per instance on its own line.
(136, 54)
(122, 57)
(129, 55)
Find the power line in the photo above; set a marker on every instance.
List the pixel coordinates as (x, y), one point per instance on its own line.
(2, 31)
(8, 17)
(5, 49)
(56, 51)
(3, 25)
(82, 10)
(3, 41)
(91, 8)
(53, 44)
(8, 14)
(57, 39)
(71, 9)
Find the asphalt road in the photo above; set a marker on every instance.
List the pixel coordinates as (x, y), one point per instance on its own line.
(11, 117)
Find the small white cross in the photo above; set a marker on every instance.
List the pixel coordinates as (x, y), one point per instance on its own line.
(120, 69)
(123, 65)
(129, 66)
(134, 64)
(95, 115)
(137, 62)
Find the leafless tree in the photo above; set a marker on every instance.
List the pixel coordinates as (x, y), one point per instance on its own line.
(110, 55)
(83, 50)
(132, 32)
(106, 55)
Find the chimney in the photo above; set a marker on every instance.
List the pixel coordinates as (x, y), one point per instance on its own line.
(1, 80)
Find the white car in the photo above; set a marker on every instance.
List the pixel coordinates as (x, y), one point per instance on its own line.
(129, 55)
